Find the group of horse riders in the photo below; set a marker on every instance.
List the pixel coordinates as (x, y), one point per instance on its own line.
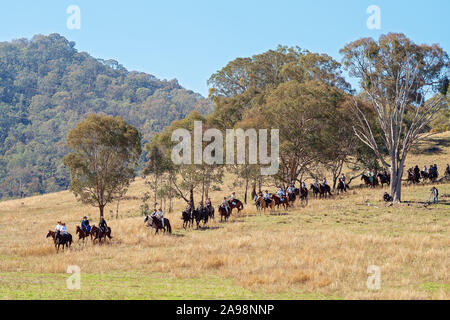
(207, 205)
(61, 228)
(431, 173)
(290, 190)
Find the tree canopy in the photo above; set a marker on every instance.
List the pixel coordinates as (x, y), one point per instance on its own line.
(104, 155)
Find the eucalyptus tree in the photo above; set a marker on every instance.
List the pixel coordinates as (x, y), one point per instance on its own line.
(406, 84)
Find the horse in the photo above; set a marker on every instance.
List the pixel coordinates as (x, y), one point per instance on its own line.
(53, 235)
(412, 177)
(235, 204)
(371, 184)
(315, 190)
(99, 234)
(82, 235)
(210, 210)
(424, 175)
(62, 239)
(303, 194)
(156, 224)
(277, 201)
(224, 213)
(261, 204)
(341, 187)
(201, 215)
(292, 197)
(385, 178)
(188, 219)
(324, 190)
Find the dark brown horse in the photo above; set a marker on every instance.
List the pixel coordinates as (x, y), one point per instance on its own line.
(277, 201)
(60, 239)
(368, 182)
(82, 235)
(96, 233)
(303, 194)
(315, 191)
(341, 187)
(210, 210)
(53, 235)
(385, 178)
(235, 204)
(324, 190)
(412, 177)
(224, 214)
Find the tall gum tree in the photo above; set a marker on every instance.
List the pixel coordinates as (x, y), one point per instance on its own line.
(105, 153)
(405, 84)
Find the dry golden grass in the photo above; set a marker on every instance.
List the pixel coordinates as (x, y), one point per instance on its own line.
(321, 251)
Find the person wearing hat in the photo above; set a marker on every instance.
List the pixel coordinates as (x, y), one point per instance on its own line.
(160, 216)
(58, 227)
(64, 229)
(85, 225)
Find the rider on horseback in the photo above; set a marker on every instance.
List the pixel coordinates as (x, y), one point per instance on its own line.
(63, 229)
(58, 227)
(417, 172)
(316, 183)
(103, 225)
(342, 179)
(160, 216)
(233, 198)
(281, 194)
(324, 182)
(291, 188)
(85, 225)
(370, 175)
(208, 203)
(225, 204)
(266, 197)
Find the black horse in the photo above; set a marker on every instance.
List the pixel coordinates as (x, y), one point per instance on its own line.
(372, 183)
(342, 187)
(201, 215)
(385, 178)
(188, 219)
(424, 175)
(210, 210)
(304, 195)
(324, 190)
(62, 239)
(292, 197)
(315, 191)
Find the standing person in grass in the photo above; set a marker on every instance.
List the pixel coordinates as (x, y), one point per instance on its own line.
(434, 195)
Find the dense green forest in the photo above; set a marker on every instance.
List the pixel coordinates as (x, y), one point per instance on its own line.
(47, 86)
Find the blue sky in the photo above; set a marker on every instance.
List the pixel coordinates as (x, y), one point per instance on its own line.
(190, 40)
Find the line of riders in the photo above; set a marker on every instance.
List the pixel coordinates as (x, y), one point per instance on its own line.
(289, 195)
(262, 200)
(61, 236)
(205, 211)
(415, 174)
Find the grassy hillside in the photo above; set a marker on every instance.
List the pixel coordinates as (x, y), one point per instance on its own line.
(47, 86)
(318, 252)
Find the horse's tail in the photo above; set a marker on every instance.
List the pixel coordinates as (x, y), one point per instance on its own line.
(241, 206)
(169, 226)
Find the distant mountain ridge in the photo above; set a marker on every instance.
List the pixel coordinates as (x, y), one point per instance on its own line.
(47, 87)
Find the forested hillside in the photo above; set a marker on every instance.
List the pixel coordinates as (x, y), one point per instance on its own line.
(47, 87)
